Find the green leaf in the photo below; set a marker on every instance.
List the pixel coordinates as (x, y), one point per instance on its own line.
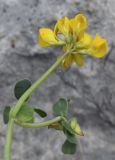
(21, 87)
(31, 120)
(6, 114)
(26, 114)
(68, 148)
(60, 107)
(70, 137)
(40, 112)
(67, 126)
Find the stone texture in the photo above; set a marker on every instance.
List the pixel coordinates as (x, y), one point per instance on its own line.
(91, 88)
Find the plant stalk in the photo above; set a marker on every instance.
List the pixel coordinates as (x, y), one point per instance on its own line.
(40, 124)
(37, 84)
(9, 133)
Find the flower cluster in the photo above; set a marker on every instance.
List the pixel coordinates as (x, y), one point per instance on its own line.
(70, 33)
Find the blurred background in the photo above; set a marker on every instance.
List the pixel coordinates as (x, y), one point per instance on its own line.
(90, 88)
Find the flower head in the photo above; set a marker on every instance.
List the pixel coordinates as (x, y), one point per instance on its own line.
(70, 33)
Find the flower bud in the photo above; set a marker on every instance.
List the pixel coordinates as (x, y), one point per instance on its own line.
(76, 127)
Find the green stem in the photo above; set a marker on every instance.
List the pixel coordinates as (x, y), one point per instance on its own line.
(40, 124)
(9, 134)
(36, 85)
(22, 100)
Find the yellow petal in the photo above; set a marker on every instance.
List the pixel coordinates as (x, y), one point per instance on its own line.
(78, 59)
(67, 61)
(86, 40)
(78, 23)
(99, 47)
(62, 26)
(42, 43)
(80, 36)
(81, 20)
(47, 37)
(98, 40)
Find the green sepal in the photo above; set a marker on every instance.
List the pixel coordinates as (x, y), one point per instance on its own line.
(6, 114)
(61, 107)
(20, 87)
(69, 148)
(70, 137)
(40, 112)
(67, 126)
(56, 126)
(25, 114)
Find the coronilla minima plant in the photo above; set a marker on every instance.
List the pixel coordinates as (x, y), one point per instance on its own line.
(76, 43)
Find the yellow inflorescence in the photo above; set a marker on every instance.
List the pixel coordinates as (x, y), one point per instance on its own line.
(70, 33)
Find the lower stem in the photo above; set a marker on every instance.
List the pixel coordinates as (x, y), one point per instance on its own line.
(9, 134)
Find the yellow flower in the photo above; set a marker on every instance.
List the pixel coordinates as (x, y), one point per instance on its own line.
(70, 33)
(78, 23)
(99, 47)
(47, 38)
(62, 26)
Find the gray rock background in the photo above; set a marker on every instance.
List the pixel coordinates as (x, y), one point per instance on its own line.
(91, 88)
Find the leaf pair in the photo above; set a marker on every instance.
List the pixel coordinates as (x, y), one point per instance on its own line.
(25, 114)
(19, 90)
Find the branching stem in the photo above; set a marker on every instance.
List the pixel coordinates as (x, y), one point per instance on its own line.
(9, 133)
(40, 124)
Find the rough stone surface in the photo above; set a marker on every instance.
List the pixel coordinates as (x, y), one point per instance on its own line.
(91, 88)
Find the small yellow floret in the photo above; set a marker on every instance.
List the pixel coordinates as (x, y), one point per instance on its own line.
(47, 37)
